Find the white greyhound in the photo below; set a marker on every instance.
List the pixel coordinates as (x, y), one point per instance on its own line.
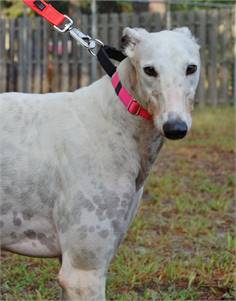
(73, 165)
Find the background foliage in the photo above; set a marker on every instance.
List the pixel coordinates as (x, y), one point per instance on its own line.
(14, 8)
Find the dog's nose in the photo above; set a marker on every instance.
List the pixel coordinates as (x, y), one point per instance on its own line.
(174, 129)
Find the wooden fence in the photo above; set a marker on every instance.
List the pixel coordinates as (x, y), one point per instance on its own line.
(36, 58)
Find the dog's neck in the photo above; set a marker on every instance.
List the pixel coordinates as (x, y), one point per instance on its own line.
(147, 137)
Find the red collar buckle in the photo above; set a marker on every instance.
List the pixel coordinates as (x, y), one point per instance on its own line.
(134, 107)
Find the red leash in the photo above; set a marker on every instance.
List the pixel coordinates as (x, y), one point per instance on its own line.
(48, 12)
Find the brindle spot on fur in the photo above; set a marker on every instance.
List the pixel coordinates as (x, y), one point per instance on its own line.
(46, 241)
(84, 202)
(116, 227)
(91, 229)
(41, 237)
(111, 212)
(124, 203)
(136, 138)
(13, 235)
(7, 190)
(82, 235)
(85, 259)
(103, 233)
(90, 206)
(120, 213)
(97, 200)
(83, 228)
(27, 214)
(5, 208)
(30, 234)
(82, 232)
(102, 206)
(16, 221)
(101, 218)
(46, 194)
(98, 249)
(112, 146)
(127, 196)
(99, 212)
(124, 157)
(90, 292)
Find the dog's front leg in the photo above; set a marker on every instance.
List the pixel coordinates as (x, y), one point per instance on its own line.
(80, 284)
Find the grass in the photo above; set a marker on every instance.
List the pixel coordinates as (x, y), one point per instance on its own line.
(181, 245)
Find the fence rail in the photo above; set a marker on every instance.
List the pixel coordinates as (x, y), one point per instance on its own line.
(35, 58)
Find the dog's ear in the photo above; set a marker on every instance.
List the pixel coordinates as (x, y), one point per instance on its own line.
(131, 37)
(184, 30)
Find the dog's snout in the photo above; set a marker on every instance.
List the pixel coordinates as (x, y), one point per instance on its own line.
(175, 129)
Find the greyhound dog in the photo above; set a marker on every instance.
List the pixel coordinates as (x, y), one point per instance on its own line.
(73, 164)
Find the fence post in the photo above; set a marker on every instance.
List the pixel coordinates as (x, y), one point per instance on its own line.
(22, 63)
(45, 83)
(213, 58)
(168, 16)
(202, 36)
(12, 65)
(234, 54)
(3, 55)
(224, 34)
(29, 54)
(37, 56)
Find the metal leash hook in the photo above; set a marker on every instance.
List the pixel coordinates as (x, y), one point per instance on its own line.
(63, 23)
(81, 38)
(85, 40)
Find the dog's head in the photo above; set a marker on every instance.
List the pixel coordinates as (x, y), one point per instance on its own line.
(167, 68)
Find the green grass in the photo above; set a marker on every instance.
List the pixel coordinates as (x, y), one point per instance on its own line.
(181, 245)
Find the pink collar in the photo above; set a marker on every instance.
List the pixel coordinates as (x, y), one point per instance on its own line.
(130, 103)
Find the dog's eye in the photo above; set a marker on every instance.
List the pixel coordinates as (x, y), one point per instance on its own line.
(191, 69)
(150, 71)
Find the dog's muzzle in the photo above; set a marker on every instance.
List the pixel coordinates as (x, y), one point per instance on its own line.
(175, 129)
